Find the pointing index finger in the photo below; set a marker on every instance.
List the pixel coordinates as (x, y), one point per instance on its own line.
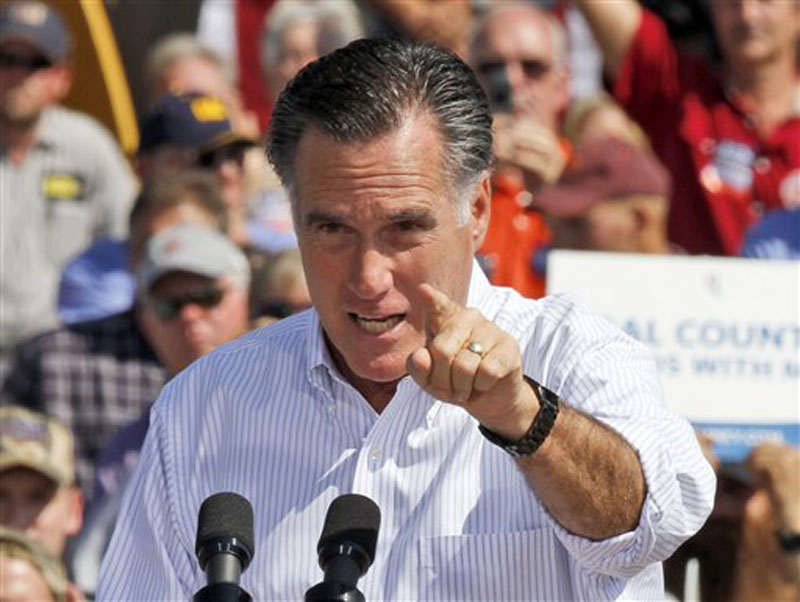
(439, 308)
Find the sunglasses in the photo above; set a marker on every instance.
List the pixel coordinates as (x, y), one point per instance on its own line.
(532, 68)
(229, 153)
(168, 308)
(10, 60)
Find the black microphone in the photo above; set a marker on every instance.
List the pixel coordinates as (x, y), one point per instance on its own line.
(224, 546)
(346, 548)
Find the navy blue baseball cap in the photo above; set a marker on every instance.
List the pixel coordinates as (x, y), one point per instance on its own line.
(190, 120)
(37, 24)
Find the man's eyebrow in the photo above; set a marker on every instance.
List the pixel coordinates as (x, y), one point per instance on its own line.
(410, 215)
(321, 217)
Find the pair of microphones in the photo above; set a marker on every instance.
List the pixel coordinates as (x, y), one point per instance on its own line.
(225, 547)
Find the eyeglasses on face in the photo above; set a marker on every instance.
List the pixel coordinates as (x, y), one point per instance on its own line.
(213, 159)
(168, 308)
(28, 62)
(532, 68)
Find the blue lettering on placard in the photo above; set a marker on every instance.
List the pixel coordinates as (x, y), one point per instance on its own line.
(791, 370)
(644, 332)
(731, 366)
(714, 334)
(668, 364)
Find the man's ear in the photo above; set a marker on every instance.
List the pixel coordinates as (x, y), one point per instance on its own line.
(60, 82)
(75, 517)
(481, 210)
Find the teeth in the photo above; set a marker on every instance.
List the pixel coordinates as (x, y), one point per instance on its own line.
(378, 326)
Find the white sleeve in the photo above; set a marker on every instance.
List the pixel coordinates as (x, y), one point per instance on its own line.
(600, 370)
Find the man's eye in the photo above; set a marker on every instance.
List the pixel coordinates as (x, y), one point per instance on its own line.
(409, 226)
(330, 228)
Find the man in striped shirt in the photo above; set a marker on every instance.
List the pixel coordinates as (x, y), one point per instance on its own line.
(518, 449)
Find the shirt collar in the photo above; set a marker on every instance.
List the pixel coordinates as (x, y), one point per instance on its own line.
(46, 131)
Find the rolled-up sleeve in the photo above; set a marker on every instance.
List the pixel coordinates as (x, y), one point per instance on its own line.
(601, 371)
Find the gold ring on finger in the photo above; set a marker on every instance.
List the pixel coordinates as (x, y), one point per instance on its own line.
(476, 348)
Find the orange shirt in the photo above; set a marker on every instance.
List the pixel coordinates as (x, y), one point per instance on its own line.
(515, 234)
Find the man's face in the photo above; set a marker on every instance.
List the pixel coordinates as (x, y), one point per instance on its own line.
(753, 31)
(34, 503)
(28, 82)
(375, 220)
(187, 315)
(227, 163)
(606, 226)
(298, 47)
(519, 42)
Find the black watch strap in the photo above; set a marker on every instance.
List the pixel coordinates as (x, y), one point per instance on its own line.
(539, 429)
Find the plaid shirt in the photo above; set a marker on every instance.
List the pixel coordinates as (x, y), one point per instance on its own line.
(94, 376)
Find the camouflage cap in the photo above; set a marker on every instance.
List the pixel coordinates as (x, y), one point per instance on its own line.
(17, 544)
(32, 440)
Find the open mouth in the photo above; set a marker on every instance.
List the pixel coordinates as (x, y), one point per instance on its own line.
(377, 325)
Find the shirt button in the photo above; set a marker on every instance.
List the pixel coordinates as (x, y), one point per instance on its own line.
(762, 165)
(330, 409)
(375, 454)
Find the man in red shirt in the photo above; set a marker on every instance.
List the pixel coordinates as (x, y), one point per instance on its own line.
(731, 140)
(519, 54)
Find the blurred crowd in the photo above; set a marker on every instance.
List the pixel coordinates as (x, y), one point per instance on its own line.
(612, 133)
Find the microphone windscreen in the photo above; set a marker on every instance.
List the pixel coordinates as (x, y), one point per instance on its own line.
(224, 516)
(352, 518)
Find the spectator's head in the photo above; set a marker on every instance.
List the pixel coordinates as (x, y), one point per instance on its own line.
(37, 478)
(28, 572)
(34, 60)
(279, 285)
(170, 198)
(297, 32)
(193, 289)
(519, 53)
(194, 131)
(751, 33)
(599, 116)
(179, 63)
(611, 197)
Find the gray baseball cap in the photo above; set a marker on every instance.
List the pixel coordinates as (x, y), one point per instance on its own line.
(191, 248)
(38, 24)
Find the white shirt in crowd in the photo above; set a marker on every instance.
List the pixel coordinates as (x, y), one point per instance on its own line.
(270, 417)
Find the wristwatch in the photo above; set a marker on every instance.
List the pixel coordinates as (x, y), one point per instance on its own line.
(788, 541)
(540, 427)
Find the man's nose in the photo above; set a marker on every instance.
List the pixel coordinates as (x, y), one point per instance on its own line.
(190, 312)
(371, 274)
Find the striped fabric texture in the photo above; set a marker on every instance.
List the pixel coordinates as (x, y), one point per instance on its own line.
(270, 417)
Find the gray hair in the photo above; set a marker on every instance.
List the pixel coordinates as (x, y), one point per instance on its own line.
(339, 24)
(369, 88)
(558, 36)
(176, 47)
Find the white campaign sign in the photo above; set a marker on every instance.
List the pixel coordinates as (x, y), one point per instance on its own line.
(725, 332)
